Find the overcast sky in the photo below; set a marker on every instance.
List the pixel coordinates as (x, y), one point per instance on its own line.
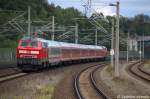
(128, 8)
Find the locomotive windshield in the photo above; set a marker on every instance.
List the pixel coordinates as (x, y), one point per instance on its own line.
(29, 42)
(34, 44)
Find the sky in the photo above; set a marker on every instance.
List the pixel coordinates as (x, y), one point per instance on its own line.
(128, 8)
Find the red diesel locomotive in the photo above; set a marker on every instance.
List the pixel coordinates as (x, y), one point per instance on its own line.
(37, 53)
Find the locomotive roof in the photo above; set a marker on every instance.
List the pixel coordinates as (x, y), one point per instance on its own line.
(64, 44)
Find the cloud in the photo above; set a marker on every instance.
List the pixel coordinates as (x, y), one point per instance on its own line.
(128, 8)
(106, 11)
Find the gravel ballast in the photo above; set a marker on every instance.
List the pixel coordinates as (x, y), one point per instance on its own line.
(126, 85)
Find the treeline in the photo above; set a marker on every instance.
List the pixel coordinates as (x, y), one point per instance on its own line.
(139, 24)
(41, 9)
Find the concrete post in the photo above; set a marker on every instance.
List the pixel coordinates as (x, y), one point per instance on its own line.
(112, 44)
(76, 33)
(96, 36)
(29, 21)
(143, 46)
(53, 28)
(128, 48)
(117, 43)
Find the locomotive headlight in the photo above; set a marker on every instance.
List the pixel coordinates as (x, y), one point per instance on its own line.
(34, 52)
(23, 51)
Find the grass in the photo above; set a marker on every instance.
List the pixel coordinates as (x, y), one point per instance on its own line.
(14, 97)
(119, 80)
(44, 93)
(148, 63)
(109, 69)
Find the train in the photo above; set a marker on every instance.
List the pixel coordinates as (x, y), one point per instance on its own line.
(34, 53)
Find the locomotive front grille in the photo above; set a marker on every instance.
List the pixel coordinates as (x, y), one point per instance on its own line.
(29, 61)
(28, 57)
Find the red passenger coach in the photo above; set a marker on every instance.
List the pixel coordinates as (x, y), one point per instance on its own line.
(36, 53)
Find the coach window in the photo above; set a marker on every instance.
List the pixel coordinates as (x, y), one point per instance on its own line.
(55, 51)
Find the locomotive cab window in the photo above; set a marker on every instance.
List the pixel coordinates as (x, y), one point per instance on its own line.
(29, 42)
(34, 44)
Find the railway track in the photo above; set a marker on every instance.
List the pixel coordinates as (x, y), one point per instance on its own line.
(8, 71)
(12, 76)
(137, 71)
(85, 85)
(142, 70)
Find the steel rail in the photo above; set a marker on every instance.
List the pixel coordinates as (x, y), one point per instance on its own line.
(11, 77)
(76, 82)
(93, 81)
(138, 74)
